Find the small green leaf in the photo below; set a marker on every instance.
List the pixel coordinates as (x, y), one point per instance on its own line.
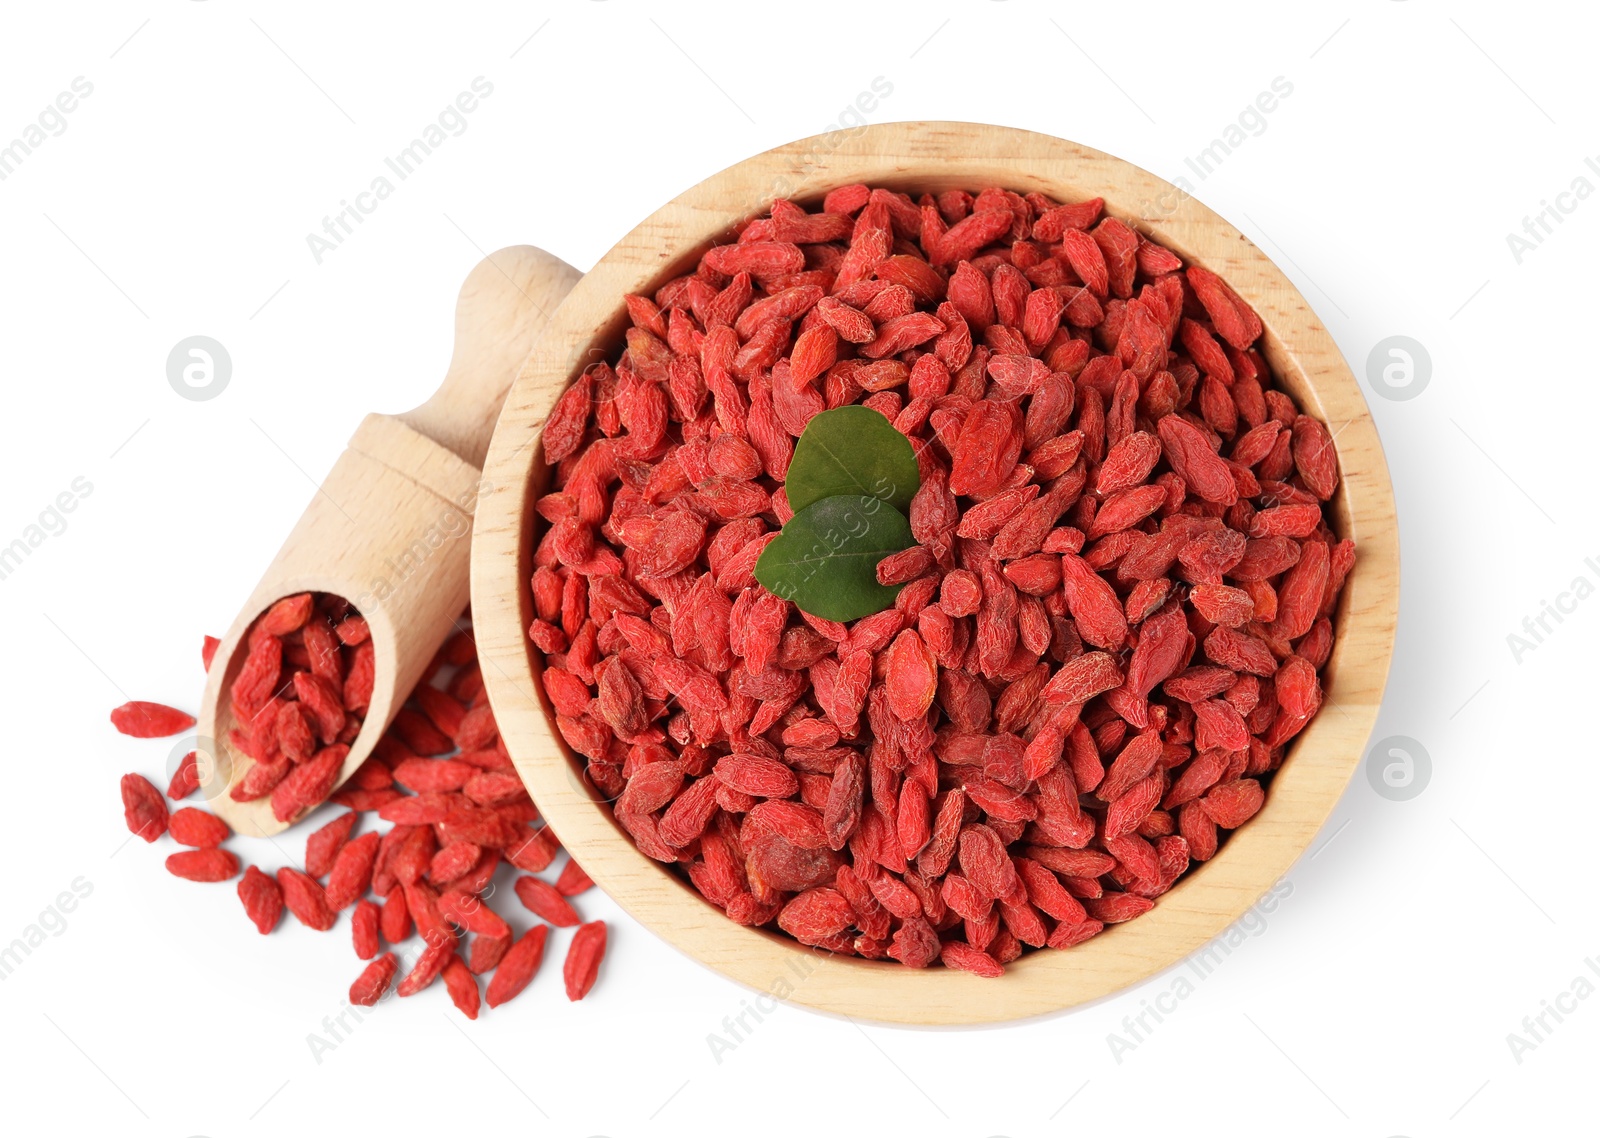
(852, 450)
(826, 558)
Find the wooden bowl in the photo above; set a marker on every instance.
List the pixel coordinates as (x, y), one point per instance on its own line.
(937, 156)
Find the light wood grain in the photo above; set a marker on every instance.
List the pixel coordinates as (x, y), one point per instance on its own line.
(936, 156)
(389, 527)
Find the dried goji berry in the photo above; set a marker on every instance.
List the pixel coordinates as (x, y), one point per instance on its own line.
(143, 808)
(186, 779)
(150, 720)
(544, 900)
(209, 864)
(584, 954)
(429, 963)
(463, 987)
(364, 927)
(262, 899)
(352, 871)
(374, 981)
(194, 827)
(323, 844)
(305, 899)
(517, 968)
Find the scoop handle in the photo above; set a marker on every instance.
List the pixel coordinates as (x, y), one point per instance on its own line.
(504, 303)
(389, 526)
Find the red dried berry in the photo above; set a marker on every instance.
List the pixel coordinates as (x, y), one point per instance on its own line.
(956, 954)
(323, 845)
(912, 676)
(203, 865)
(150, 720)
(584, 954)
(544, 900)
(143, 808)
(395, 920)
(364, 929)
(463, 987)
(194, 827)
(572, 880)
(374, 981)
(352, 871)
(517, 968)
(186, 779)
(262, 899)
(305, 899)
(1233, 803)
(429, 963)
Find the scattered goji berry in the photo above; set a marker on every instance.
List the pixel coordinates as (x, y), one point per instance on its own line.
(150, 720)
(306, 900)
(143, 808)
(194, 827)
(583, 959)
(517, 967)
(463, 987)
(209, 864)
(374, 981)
(262, 899)
(365, 924)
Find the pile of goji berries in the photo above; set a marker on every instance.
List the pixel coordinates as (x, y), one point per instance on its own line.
(1108, 632)
(300, 696)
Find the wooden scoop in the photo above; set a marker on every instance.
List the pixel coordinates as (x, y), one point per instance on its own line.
(390, 528)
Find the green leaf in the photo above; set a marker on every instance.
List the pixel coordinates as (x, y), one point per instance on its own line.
(852, 450)
(826, 558)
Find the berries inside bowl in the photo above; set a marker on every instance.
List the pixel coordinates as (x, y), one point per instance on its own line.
(1072, 663)
(928, 573)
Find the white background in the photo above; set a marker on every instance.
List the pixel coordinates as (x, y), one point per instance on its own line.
(1378, 997)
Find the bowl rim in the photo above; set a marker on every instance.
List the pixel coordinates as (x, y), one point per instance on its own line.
(935, 156)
